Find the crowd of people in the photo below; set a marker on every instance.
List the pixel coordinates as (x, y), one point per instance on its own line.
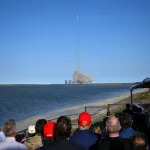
(124, 131)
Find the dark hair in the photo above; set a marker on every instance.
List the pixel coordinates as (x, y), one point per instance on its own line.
(108, 113)
(127, 106)
(40, 125)
(63, 127)
(125, 120)
(139, 135)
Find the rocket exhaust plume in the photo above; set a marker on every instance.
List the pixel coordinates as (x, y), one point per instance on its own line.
(80, 78)
(77, 18)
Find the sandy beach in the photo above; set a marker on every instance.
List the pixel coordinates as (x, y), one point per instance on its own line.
(73, 110)
(99, 110)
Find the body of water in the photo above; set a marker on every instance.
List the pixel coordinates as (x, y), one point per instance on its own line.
(23, 101)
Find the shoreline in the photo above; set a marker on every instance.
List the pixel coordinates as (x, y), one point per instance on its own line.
(21, 125)
(68, 110)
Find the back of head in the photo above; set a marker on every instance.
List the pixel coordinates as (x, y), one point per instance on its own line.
(125, 120)
(49, 130)
(31, 130)
(40, 125)
(108, 113)
(84, 119)
(128, 106)
(113, 125)
(9, 128)
(140, 141)
(49, 133)
(63, 127)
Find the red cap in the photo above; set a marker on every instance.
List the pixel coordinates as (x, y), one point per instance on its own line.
(49, 129)
(84, 119)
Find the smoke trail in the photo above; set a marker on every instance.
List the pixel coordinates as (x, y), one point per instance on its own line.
(77, 18)
(77, 44)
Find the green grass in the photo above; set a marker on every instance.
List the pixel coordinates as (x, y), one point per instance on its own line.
(142, 96)
(136, 97)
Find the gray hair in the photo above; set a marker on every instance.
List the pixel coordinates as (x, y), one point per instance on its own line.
(9, 128)
(113, 125)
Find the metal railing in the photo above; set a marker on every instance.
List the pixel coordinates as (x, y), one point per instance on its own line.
(24, 131)
(102, 107)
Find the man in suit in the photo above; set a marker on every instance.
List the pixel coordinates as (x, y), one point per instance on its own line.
(62, 131)
(84, 136)
(113, 142)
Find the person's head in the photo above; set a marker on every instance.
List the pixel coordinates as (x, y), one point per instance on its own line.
(31, 130)
(9, 128)
(63, 127)
(108, 113)
(49, 133)
(128, 106)
(113, 125)
(125, 121)
(49, 130)
(97, 130)
(39, 126)
(140, 141)
(84, 120)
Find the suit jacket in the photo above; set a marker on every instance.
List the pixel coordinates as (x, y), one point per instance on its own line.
(63, 144)
(85, 138)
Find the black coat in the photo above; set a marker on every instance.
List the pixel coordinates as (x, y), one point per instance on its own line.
(114, 143)
(63, 144)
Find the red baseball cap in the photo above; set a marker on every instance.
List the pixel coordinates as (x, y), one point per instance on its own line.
(49, 129)
(84, 119)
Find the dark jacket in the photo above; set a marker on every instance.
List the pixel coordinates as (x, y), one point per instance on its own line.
(85, 138)
(115, 143)
(63, 144)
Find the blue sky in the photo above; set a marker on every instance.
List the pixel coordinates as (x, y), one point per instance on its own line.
(41, 41)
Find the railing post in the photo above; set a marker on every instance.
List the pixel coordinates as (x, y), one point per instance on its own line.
(131, 102)
(108, 108)
(85, 108)
(25, 133)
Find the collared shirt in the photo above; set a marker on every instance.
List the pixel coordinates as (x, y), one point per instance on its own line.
(11, 144)
(114, 136)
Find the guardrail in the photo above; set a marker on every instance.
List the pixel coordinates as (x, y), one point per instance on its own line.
(113, 105)
(103, 107)
(24, 131)
(85, 109)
